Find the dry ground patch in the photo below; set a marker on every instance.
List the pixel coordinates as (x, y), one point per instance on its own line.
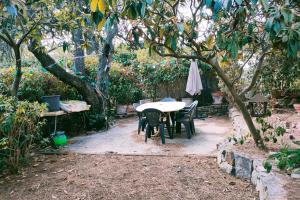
(124, 177)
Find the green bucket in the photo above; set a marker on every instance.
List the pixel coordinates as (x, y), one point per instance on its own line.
(59, 138)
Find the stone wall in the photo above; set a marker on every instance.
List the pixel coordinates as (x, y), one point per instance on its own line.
(212, 110)
(248, 167)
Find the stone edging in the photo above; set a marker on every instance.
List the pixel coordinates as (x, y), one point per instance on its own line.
(269, 185)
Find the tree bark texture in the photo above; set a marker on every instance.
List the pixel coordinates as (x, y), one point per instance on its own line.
(77, 36)
(83, 87)
(104, 61)
(78, 52)
(18, 74)
(238, 100)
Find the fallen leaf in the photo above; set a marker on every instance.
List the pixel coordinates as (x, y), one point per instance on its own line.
(231, 183)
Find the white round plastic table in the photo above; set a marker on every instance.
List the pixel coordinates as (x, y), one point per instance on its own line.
(165, 107)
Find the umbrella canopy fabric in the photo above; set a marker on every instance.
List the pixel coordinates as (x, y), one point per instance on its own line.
(194, 84)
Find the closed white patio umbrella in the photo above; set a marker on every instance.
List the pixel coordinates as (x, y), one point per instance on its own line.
(194, 84)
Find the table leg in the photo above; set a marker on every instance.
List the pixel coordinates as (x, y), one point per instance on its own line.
(168, 125)
(172, 116)
(55, 124)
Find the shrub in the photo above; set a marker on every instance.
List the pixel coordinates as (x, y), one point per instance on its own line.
(285, 159)
(35, 83)
(124, 85)
(20, 124)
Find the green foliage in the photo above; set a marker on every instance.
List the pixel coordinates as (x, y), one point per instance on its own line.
(165, 72)
(285, 159)
(281, 73)
(268, 166)
(124, 86)
(20, 124)
(35, 84)
(269, 133)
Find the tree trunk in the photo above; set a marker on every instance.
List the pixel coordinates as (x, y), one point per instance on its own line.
(104, 62)
(237, 99)
(83, 87)
(77, 36)
(94, 48)
(18, 75)
(79, 52)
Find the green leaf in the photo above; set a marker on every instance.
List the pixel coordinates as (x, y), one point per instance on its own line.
(265, 4)
(174, 43)
(217, 6)
(254, 2)
(228, 4)
(208, 3)
(143, 10)
(168, 41)
(250, 29)
(149, 2)
(132, 12)
(97, 17)
(269, 24)
(267, 165)
(239, 2)
(287, 16)
(276, 26)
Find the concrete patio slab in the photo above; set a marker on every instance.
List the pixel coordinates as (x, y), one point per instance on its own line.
(124, 139)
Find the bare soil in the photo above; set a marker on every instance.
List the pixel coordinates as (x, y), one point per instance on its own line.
(124, 177)
(291, 122)
(288, 120)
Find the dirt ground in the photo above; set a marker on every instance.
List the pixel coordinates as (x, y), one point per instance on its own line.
(124, 177)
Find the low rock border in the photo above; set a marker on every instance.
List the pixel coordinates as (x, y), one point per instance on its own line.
(269, 185)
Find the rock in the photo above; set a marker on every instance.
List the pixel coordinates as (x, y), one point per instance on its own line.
(243, 166)
(229, 158)
(296, 173)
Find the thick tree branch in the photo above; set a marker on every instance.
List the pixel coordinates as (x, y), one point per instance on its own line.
(20, 41)
(9, 38)
(2, 37)
(174, 55)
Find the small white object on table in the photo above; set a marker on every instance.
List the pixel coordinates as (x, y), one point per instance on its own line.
(165, 107)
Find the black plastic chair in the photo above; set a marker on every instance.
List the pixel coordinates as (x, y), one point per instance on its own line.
(186, 117)
(142, 120)
(154, 119)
